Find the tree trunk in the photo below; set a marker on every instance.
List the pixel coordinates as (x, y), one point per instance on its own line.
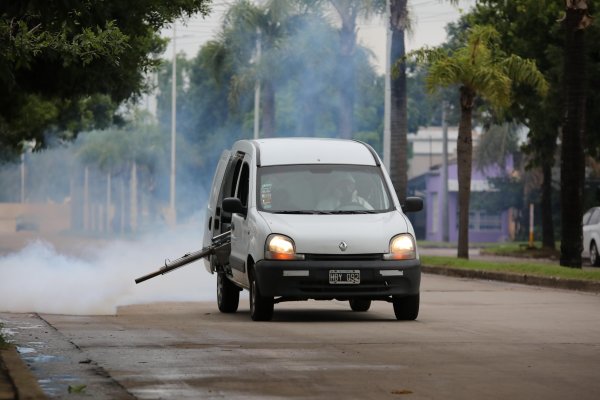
(398, 113)
(546, 206)
(268, 109)
(346, 88)
(572, 157)
(464, 149)
(346, 73)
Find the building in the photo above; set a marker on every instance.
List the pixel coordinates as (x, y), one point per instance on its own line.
(484, 226)
(427, 148)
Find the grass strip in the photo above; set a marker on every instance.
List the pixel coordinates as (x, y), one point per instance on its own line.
(523, 268)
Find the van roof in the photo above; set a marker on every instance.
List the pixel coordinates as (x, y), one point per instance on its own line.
(289, 151)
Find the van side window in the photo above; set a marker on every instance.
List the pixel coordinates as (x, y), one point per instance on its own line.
(244, 185)
(595, 218)
(228, 189)
(236, 172)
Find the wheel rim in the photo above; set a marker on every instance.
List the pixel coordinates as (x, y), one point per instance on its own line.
(593, 253)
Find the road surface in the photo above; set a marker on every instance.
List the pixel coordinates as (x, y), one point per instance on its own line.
(473, 340)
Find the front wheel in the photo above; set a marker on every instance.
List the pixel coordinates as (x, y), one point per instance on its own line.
(406, 308)
(261, 307)
(228, 295)
(594, 257)
(360, 304)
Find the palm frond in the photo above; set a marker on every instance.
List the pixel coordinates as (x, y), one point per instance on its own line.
(480, 40)
(444, 72)
(523, 71)
(493, 84)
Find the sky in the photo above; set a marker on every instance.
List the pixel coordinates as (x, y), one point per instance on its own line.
(429, 20)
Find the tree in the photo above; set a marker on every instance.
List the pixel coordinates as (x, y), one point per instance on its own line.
(528, 28)
(572, 173)
(399, 24)
(349, 12)
(57, 53)
(245, 27)
(398, 111)
(481, 69)
(113, 152)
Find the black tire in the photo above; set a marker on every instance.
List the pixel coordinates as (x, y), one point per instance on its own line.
(228, 295)
(406, 308)
(594, 256)
(261, 307)
(360, 305)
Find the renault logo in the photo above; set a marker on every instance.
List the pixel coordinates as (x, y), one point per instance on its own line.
(343, 246)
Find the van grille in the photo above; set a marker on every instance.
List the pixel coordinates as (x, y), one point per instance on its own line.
(343, 257)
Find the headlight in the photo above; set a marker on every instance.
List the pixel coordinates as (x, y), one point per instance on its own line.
(402, 247)
(280, 247)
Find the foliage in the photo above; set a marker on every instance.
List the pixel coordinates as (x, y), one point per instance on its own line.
(216, 107)
(496, 144)
(481, 66)
(481, 69)
(60, 59)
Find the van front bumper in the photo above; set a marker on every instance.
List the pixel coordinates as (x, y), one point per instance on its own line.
(379, 279)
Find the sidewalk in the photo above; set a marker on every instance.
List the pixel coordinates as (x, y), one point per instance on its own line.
(16, 381)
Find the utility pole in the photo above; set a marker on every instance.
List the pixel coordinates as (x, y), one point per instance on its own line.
(257, 87)
(108, 201)
(23, 177)
(173, 127)
(444, 202)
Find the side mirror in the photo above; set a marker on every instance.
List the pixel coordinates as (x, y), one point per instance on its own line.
(234, 205)
(412, 204)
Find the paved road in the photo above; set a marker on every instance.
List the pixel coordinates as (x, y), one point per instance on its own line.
(473, 340)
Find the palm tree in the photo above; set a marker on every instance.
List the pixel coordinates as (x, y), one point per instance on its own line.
(245, 25)
(572, 155)
(399, 25)
(479, 69)
(349, 11)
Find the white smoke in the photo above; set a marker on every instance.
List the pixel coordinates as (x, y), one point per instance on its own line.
(40, 279)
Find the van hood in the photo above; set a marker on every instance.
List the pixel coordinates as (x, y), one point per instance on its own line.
(323, 234)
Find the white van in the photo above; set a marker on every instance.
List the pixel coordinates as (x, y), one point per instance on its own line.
(311, 219)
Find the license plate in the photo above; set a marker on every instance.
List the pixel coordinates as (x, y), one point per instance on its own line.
(344, 277)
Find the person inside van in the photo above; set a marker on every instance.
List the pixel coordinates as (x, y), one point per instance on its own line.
(343, 194)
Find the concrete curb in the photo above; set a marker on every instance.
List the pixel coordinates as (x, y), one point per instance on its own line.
(556, 283)
(24, 384)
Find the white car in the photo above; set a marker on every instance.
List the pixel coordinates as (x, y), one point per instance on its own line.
(311, 219)
(591, 235)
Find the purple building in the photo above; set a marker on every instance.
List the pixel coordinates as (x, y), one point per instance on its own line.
(484, 226)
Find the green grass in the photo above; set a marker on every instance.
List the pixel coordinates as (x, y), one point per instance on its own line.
(452, 245)
(521, 249)
(525, 267)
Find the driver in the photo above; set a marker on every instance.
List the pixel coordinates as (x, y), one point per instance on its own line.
(344, 194)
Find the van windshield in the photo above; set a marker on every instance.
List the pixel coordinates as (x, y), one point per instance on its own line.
(322, 189)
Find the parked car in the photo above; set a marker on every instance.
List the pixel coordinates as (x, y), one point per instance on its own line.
(591, 235)
(311, 219)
